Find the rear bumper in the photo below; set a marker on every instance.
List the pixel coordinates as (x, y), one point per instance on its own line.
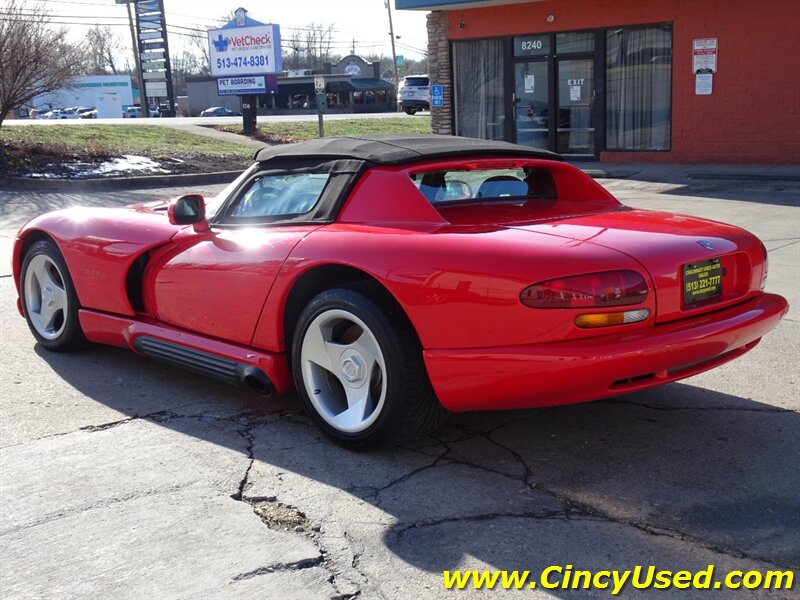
(576, 371)
(420, 104)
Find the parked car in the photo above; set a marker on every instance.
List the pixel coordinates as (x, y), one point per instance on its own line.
(59, 113)
(135, 112)
(219, 111)
(82, 110)
(89, 114)
(415, 94)
(391, 278)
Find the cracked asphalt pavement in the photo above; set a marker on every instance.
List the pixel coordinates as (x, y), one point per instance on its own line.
(124, 478)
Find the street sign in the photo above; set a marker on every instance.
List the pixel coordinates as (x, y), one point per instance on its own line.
(437, 95)
(239, 86)
(319, 84)
(401, 60)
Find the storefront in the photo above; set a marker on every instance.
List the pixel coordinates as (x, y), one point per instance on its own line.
(353, 85)
(621, 80)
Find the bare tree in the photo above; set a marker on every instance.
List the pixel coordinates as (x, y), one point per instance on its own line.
(198, 47)
(34, 58)
(104, 48)
(309, 47)
(318, 44)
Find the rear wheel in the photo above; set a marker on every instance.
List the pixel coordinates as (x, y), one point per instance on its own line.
(410, 110)
(49, 299)
(359, 371)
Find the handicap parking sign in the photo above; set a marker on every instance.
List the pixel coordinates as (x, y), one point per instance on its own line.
(437, 95)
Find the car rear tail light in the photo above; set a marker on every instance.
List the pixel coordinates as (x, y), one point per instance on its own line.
(607, 319)
(609, 288)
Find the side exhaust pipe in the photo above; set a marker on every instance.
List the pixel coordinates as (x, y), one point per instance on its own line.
(254, 378)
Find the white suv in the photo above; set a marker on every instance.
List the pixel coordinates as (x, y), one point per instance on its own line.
(135, 112)
(415, 93)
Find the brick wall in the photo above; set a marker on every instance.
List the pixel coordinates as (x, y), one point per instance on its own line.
(753, 116)
(440, 71)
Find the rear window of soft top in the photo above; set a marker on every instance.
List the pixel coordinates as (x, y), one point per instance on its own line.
(480, 185)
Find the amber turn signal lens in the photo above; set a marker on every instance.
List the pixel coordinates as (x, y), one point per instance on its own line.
(609, 319)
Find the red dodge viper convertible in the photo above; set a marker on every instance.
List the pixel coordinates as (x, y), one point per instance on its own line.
(392, 278)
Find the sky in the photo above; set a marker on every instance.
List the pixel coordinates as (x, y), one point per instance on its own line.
(365, 21)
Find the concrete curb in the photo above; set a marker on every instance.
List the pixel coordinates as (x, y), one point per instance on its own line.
(145, 181)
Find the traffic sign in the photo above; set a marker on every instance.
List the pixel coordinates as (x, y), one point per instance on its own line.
(437, 95)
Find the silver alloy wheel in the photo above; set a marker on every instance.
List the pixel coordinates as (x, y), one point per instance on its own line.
(343, 371)
(46, 300)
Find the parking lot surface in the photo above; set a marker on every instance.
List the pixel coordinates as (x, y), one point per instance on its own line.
(124, 478)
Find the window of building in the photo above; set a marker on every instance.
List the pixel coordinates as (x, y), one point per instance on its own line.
(479, 91)
(579, 41)
(638, 84)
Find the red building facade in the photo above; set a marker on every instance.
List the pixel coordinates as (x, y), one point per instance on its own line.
(674, 81)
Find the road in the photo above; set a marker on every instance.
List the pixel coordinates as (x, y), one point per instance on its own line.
(124, 478)
(180, 121)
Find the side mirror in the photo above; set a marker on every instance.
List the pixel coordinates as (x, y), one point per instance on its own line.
(189, 209)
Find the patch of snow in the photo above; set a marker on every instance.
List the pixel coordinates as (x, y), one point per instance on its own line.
(128, 162)
(41, 175)
(114, 166)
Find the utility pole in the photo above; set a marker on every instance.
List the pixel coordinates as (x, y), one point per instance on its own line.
(142, 95)
(394, 54)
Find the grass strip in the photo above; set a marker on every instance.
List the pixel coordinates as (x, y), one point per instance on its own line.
(294, 131)
(94, 141)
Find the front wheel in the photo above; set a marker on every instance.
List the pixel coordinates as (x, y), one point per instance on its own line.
(359, 371)
(410, 111)
(49, 299)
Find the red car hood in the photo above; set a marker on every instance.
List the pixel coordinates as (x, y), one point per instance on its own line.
(662, 243)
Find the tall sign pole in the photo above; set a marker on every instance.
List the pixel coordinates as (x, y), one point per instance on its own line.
(135, 48)
(394, 54)
(156, 70)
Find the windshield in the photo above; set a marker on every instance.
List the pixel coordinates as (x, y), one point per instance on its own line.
(213, 204)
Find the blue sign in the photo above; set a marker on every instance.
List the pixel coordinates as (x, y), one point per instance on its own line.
(437, 95)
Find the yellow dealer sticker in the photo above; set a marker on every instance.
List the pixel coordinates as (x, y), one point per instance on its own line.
(702, 281)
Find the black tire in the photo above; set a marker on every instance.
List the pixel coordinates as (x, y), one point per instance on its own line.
(403, 404)
(410, 111)
(64, 334)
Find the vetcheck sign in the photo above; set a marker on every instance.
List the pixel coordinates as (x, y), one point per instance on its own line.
(252, 50)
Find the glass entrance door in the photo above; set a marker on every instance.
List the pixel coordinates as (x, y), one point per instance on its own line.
(531, 103)
(575, 127)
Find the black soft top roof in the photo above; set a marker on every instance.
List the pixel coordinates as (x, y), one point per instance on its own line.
(397, 149)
